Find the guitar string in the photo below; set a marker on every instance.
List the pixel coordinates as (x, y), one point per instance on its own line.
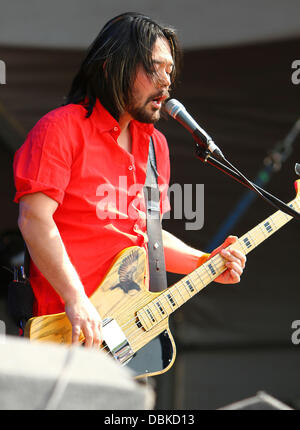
(181, 287)
(193, 274)
(218, 263)
(130, 328)
(140, 331)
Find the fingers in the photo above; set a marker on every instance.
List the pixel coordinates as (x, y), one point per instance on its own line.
(75, 333)
(91, 330)
(86, 323)
(229, 241)
(235, 272)
(235, 261)
(234, 256)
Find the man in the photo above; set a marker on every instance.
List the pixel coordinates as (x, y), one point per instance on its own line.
(96, 146)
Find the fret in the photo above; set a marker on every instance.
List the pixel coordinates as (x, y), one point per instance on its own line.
(287, 217)
(279, 219)
(238, 245)
(189, 284)
(268, 227)
(168, 309)
(203, 275)
(262, 229)
(215, 266)
(196, 279)
(178, 291)
(184, 290)
(171, 300)
(150, 315)
(254, 244)
(243, 246)
(247, 242)
(155, 314)
(198, 272)
(143, 319)
(274, 223)
(193, 282)
(160, 307)
(212, 269)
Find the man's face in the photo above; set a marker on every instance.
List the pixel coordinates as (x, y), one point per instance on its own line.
(148, 93)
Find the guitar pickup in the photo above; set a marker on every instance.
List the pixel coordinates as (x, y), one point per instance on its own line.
(116, 341)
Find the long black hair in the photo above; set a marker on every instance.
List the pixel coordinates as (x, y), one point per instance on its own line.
(109, 68)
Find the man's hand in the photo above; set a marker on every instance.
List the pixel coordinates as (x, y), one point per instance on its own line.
(84, 317)
(48, 252)
(235, 262)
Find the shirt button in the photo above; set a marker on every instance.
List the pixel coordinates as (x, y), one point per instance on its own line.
(130, 167)
(116, 128)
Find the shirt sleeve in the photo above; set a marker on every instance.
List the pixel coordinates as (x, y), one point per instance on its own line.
(43, 163)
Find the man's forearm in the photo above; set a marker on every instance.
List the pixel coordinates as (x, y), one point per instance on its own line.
(179, 257)
(48, 252)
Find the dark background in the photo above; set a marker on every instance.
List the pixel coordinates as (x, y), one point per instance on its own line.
(232, 341)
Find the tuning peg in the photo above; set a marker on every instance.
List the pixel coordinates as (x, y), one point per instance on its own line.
(297, 169)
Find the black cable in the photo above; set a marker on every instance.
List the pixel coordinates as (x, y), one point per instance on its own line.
(232, 171)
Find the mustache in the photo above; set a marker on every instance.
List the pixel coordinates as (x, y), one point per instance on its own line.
(158, 95)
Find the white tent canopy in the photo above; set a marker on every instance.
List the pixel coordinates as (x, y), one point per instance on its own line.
(200, 23)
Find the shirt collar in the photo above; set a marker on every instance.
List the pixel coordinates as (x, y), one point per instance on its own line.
(106, 122)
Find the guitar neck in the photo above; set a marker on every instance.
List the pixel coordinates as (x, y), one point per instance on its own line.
(172, 298)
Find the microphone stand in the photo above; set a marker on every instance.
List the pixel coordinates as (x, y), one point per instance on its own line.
(272, 164)
(206, 157)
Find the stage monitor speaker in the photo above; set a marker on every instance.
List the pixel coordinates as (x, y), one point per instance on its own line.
(43, 376)
(262, 401)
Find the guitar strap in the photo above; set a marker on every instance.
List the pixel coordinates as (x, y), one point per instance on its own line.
(157, 270)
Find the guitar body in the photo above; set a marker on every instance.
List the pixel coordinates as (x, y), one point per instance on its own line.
(119, 297)
(135, 321)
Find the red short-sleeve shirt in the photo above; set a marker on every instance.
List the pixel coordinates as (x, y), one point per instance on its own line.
(77, 162)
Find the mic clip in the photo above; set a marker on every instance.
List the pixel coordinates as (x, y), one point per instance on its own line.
(202, 152)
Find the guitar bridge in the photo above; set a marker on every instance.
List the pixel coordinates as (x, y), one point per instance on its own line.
(116, 341)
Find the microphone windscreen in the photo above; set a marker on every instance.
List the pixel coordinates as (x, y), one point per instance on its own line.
(173, 106)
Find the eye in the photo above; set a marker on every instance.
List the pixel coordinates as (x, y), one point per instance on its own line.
(170, 69)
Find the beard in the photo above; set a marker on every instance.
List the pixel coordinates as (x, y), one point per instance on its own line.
(145, 113)
(139, 113)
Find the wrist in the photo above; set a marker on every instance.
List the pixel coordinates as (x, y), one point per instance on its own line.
(74, 295)
(204, 257)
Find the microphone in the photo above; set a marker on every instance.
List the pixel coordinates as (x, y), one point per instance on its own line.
(176, 110)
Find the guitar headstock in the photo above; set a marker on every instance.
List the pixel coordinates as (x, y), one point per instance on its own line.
(297, 183)
(297, 188)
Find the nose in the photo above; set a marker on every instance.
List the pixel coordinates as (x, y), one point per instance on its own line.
(166, 78)
(163, 78)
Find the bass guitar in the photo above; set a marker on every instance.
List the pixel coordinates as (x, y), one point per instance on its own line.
(135, 321)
